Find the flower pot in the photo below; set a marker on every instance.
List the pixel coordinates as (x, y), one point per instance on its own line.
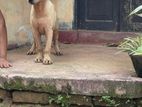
(137, 63)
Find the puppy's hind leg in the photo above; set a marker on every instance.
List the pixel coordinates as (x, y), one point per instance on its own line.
(56, 43)
(32, 51)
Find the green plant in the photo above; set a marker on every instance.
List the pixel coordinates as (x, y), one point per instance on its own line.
(137, 11)
(62, 100)
(109, 101)
(132, 45)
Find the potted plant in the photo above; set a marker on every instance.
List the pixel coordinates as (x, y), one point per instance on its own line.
(134, 46)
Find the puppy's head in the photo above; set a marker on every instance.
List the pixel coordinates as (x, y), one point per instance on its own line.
(33, 1)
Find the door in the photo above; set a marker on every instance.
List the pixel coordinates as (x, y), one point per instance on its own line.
(98, 14)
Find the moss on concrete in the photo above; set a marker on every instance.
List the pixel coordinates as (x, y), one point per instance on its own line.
(18, 84)
(14, 84)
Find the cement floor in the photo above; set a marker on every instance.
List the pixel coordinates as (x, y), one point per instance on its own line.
(78, 62)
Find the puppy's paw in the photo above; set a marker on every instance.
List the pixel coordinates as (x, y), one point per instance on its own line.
(59, 53)
(31, 52)
(47, 61)
(39, 58)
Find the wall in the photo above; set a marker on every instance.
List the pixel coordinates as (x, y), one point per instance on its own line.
(65, 12)
(36, 99)
(16, 13)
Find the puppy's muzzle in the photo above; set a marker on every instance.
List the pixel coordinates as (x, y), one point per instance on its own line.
(31, 2)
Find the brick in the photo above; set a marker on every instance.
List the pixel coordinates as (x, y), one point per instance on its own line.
(52, 106)
(80, 106)
(25, 105)
(139, 103)
(4, 94)
(81, 100)
(30, 97)
(31, 105)
(5, 105)
(119, 102)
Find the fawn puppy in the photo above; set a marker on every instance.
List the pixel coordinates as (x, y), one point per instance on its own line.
(43, 21)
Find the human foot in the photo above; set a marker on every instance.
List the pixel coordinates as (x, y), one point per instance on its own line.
(4, 63)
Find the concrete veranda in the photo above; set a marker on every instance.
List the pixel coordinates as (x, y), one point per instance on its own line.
(88, 69)
(78, 61)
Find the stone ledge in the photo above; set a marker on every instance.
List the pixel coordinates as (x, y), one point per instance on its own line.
(95, 72)
(130, 87)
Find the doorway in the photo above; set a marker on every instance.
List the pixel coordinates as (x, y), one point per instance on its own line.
(98, 15)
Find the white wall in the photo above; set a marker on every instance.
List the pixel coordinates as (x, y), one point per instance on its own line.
(16, 13)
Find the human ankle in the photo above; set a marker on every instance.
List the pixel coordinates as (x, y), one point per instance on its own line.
(3, 57)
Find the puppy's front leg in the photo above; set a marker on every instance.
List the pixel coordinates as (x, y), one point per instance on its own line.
(37, 37)
(49, 35)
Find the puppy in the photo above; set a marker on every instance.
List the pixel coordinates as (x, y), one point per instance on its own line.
(43, 21)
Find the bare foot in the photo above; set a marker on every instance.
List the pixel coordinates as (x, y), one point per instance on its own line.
(4, 63)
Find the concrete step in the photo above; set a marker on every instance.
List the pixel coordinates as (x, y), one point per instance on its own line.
(91, 70)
